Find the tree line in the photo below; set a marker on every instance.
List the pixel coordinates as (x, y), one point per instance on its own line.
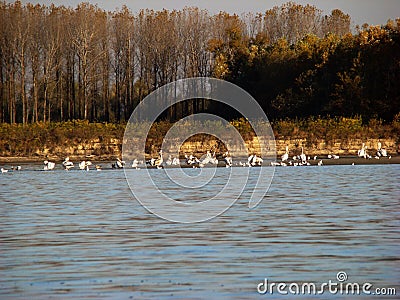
(60, 63)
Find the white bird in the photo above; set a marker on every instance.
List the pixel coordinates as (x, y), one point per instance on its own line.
(206, 159)
(363, 152)
(67, 164)
(320, 163)
(17, 168)
(285, 156)
(303, 157)
(191, 159)
(119, 164)
(169, 160)
(250, 160)
(3, 170)
(84, 165)
(259, 161)
(228, 159)
(48, 165)
(381, 152)
(158, 162)
(255, 161)
(175, 161)
(98, 168)
(214, 159)
(135, 163)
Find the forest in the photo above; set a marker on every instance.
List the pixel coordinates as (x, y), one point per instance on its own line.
(61, 63)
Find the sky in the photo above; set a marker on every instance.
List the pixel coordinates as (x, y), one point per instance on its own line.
(373, 12)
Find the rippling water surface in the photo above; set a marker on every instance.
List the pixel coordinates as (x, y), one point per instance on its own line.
(81, 235)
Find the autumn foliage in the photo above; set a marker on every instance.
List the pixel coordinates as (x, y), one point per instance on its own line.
(60, 63)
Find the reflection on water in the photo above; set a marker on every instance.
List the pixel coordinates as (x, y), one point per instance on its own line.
(81, 235)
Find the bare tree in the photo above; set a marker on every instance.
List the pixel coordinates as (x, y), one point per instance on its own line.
(36, 17)
(85, 35)
(337, 23)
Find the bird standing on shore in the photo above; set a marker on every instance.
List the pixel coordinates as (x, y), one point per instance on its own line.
(285, 156)
(381, 152)
(151, 161)
(303, 157)
(169, 160)
(250, 160)
(48, 165)
(191, 159)
(67, 164)
(254, 160)
(84, 165)
(135, 164)
(228, 159)
(363, 152)
(175, 161)
(206, 159)
(158, 162)
(119, 164)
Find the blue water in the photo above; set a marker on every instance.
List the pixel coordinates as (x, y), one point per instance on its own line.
(81, 235)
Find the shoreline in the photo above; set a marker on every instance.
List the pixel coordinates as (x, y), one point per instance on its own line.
(343, 160)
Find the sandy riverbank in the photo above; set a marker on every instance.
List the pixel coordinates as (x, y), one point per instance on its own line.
(349, 160)
(343, 160)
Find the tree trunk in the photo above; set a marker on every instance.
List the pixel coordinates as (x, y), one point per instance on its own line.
(23, 90)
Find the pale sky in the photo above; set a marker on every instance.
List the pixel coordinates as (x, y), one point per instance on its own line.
(373, 12)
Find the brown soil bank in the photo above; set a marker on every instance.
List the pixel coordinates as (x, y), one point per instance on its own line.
(110, 149)
(103, 141)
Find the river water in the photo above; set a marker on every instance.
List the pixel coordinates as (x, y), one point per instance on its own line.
(81, 235)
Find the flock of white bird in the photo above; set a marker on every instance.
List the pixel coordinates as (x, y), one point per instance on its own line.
(68, 165)
(296, 160)
(190, 160)
(210, 158)
(303, 160)
(381, 152)
(159, 162)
